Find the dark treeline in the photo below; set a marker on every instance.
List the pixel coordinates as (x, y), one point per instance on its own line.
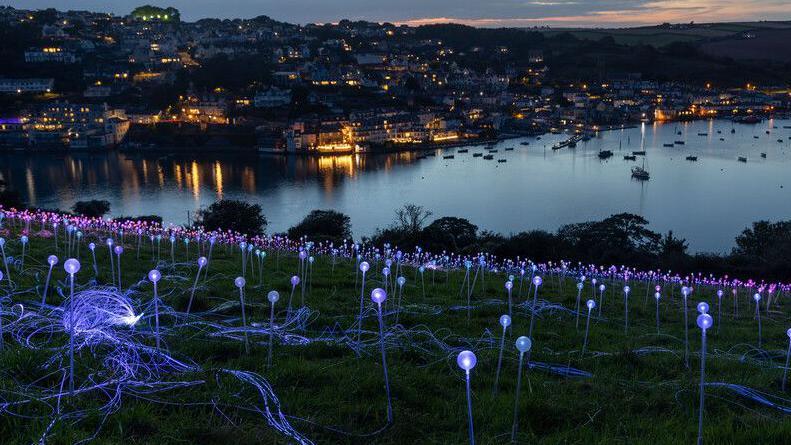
(762, 250)
(572, 58)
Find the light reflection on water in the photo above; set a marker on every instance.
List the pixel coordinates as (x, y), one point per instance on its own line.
(709, 202)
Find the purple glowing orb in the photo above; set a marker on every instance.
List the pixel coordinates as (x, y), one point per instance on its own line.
(72, 266)
(705, 321)
(466, 360)
(154, 275)
(523, 344)
(378, 295)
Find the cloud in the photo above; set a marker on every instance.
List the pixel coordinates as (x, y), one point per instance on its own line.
(489, 13)
(640, 13)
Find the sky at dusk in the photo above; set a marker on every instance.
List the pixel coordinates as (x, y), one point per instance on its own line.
(484, 13)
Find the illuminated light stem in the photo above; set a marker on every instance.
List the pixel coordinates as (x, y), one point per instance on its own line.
(577, 322)
(156, 315)
(686, 334)
(208, 261)
(515, 425)
(271, 334)
(360, 318)
(587, 328)
(735, 304)
(719, 312)
(702, 384)
(119, 271)
(626, 313)
(533, 312)
(657, 316)
(302, 281)
(5, 263)
(95, 266)
(244, 322)
(194, 285)
(758, 315)
(290, 298)
(46, 286)
(469, 409)
(601, 300)
(112, 265)
(384, 363)
(71, 334)
(499, 362)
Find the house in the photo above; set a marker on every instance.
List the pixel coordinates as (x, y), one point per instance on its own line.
(16, 86)
(272, 98)
(50, 55)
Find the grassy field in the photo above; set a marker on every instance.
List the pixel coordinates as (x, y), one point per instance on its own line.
(331, 387)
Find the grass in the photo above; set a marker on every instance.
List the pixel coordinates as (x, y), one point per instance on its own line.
(632, 397)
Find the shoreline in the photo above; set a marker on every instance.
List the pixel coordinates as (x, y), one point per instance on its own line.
(253, 149)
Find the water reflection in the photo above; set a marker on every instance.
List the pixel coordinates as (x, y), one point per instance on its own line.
(708, 201)
(57, 180)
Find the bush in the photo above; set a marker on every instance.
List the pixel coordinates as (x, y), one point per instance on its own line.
(230, 214)
(449, 233)
(93, 209)
(323, 226)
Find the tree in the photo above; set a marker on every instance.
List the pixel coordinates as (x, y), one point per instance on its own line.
(94, 208)
(619, 238)
(230, 214)
(673, 252)
(410, 218)
(323, 226)
(765, 247)
(537, 245)
(670, 245)
(449, 233)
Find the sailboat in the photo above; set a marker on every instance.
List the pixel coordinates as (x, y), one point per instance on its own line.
(640, 173)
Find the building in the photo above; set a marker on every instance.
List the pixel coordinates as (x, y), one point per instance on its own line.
(17, 86)
(12, 132)
(50, 55)
(77, 125)
(272, 98)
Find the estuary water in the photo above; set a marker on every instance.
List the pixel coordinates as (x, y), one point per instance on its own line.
(708, 201)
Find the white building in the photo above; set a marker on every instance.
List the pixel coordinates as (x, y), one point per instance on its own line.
(50, 55)
(271, 98)
(11, 86)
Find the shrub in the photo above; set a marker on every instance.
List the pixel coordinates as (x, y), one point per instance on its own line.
(323, 226)
(237, 216)
(93, 209)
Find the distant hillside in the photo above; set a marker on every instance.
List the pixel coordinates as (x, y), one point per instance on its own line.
(687, 53)
(767, 40)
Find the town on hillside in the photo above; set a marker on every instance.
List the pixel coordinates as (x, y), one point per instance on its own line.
(150, 81)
